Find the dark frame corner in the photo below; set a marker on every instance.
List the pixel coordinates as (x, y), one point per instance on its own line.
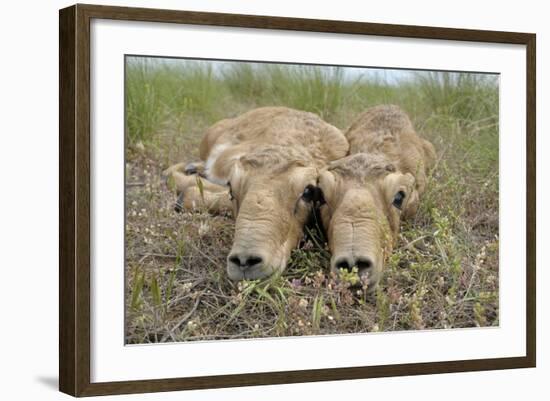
(74, 199)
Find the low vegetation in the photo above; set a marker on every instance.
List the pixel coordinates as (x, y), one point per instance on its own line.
(443, 272)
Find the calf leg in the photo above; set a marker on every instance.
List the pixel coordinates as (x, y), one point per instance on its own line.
(185, 168)
(195, 193)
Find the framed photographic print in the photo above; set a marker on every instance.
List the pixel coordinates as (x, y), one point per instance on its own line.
(250, 200)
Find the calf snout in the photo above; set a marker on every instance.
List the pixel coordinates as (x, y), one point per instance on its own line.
(247, 265)
(368, 268)
(245, 260)
(363, 263)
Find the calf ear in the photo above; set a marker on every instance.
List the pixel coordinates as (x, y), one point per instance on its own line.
(429, 154)
(410, 209)
(326, 184)
(413, 199)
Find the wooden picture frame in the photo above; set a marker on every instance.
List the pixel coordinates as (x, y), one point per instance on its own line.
(74, 199)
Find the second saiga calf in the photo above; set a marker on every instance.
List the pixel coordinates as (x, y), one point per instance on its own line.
(368, 192)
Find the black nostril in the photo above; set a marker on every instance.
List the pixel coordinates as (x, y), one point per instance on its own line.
(364, 263)
(343, 264)
(235, 260)
(246, 261)
(252, 261)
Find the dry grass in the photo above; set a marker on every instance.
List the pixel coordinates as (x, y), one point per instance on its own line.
(443, 273)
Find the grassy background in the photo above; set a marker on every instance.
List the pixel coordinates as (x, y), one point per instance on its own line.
(442, 274)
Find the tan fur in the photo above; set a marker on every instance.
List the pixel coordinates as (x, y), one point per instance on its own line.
(267, 156)
(294, 132)
(387, 130)
(386, 157)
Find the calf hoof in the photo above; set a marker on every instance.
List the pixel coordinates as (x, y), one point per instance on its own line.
(178, 206)
(192, 168)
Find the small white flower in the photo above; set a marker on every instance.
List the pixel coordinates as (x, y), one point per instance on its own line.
(203, 228)
(186, 287)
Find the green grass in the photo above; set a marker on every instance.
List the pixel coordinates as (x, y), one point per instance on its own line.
(443, 272)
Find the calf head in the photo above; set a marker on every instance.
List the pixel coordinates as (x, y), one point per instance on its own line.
(273, 193)
(364, 199)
